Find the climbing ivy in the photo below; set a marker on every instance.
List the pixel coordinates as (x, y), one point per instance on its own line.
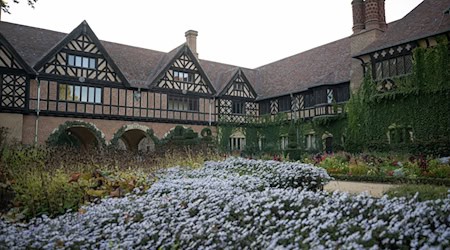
(60, 137)
(119, 133)
(414, 117)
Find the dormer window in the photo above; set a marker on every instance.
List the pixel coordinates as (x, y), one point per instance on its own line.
(239, 86)
(183, 76)
(82, 61)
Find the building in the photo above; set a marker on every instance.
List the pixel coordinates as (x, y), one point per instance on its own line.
(99, 91)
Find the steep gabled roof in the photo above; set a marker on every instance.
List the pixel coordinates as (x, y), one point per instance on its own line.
(427, 19)
(81, 29)
(327, 64)
(228, 79)
(169, 59)
(32, 44)
(17, 59)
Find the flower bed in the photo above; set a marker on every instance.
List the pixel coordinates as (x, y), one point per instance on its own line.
(380, 166)
(276, 174)
(228, 205)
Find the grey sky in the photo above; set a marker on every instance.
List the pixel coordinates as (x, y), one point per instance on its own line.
(247, 33)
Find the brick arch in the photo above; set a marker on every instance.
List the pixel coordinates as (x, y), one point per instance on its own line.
(135, 137)
(77, 133)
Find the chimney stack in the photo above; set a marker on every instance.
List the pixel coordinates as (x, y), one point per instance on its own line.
(368, 15)
(191, 40)
(359, 17)
(382, 15)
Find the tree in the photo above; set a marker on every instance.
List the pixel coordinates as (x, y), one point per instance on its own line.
(5, 6)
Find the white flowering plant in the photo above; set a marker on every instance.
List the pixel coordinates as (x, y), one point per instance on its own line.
(230, 205)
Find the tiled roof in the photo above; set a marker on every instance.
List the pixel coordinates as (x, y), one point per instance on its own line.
(32, 44)
(327, 64)
(427, 19)
(135, 63)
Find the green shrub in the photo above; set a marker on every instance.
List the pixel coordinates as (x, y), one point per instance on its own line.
(425, 192)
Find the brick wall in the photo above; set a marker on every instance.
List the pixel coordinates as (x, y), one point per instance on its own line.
(47, 124)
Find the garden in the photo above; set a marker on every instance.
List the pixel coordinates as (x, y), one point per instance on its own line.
(193, 198)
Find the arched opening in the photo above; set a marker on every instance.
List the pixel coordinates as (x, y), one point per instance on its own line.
(84, 137)
(136, 140)
(327, 139)
(77, 134)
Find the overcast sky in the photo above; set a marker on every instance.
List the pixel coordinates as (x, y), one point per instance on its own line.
(247, 33)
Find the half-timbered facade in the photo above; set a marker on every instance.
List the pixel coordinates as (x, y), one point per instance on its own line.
(49, 79)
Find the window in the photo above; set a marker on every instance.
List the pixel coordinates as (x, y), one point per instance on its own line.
(239, 86)
(75, 93)
(264, 107)
(393, 67)
(182, 103)
(82, 61)
(310, 141)
(400, 134)
(284, 104)
(183, 76)
(284, 141)
(309, 100)
(342, 93)
(330, 96)
(238, 107)
(237, 143)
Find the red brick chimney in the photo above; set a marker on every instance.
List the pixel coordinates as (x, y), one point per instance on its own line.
(359, 17)
(375, 15)
(382, 15)
(191, 40)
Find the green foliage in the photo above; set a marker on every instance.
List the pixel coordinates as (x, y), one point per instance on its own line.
(415, 115)
(119, 133)
(182, 137)
(225, 131)
(51, 181)
(293, 151)
(424, 192)
(252, 139)
(61, 137)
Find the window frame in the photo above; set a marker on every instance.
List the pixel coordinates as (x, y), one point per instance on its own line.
(187, 103)
(78, 61)
(284, 104)
(84, 92)
(186, 76)
(392, 67)
(238, 106)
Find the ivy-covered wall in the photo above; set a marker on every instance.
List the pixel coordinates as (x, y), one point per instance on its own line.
(413, 116)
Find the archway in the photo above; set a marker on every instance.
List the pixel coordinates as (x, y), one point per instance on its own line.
(135, 138)
(77, 134)
(327, 139)
(84, 136)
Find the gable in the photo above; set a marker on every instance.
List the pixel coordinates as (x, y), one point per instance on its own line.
(184, 74)
(10, 59)
(81, 55)
(239, 86)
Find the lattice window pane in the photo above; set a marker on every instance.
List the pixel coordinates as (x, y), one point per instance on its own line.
(13, 91)
(385, 69)
(408, 64)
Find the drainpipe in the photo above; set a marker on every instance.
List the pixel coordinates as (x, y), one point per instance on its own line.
(210, 110)
(37, 110)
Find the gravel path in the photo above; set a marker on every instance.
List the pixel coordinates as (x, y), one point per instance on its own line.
(374, 189)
